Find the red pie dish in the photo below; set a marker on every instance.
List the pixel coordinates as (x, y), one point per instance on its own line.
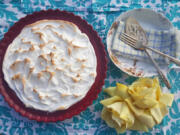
(101, 68)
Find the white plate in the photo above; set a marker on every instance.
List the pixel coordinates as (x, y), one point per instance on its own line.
(149, 20)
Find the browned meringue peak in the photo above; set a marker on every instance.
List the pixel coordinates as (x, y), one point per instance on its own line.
(48, 26)
(51, 54)
(75, 79)
(61, 26)
(18, 50)
(25, 51)
(83, 66)
(81, 60)
(40, 35)
(26, 42)
(76, 95)
(23, 80)
(64, 95)
(50, 73)
(58, 35)
(59, 69)
(13, 66)
(75, 46)
(92, 74)
(30, 71)
(39, 75)
(40, 96)
(16, 77)
(32, 48)
(41, 46)
(62, 59)
(78, 75)
(53, 61)
(43, 56)
(69, 51)
(33, 29)
(35, 90)
(27, 60)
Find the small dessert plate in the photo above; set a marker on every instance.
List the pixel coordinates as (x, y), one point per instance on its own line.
(150, 21)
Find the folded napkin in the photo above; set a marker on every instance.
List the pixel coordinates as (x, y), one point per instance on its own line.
(164, 41)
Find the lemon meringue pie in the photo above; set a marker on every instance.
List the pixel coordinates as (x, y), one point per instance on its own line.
(50, 65)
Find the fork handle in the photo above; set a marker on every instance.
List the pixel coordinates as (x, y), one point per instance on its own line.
(159, 70)
(165, 55)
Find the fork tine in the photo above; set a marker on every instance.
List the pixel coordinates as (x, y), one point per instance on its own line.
(129, 41)
(129, 38)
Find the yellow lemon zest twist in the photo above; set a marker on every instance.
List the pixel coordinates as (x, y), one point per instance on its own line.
(139, 106)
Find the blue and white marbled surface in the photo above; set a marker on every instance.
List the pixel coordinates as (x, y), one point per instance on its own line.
(100, 14)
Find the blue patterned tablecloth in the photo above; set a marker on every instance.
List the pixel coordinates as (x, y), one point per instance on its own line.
(100, 14)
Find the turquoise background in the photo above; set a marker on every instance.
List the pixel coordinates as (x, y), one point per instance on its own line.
(100, 14)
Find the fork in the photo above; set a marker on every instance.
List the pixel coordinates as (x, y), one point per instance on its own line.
(139, 45)
(127, 39)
